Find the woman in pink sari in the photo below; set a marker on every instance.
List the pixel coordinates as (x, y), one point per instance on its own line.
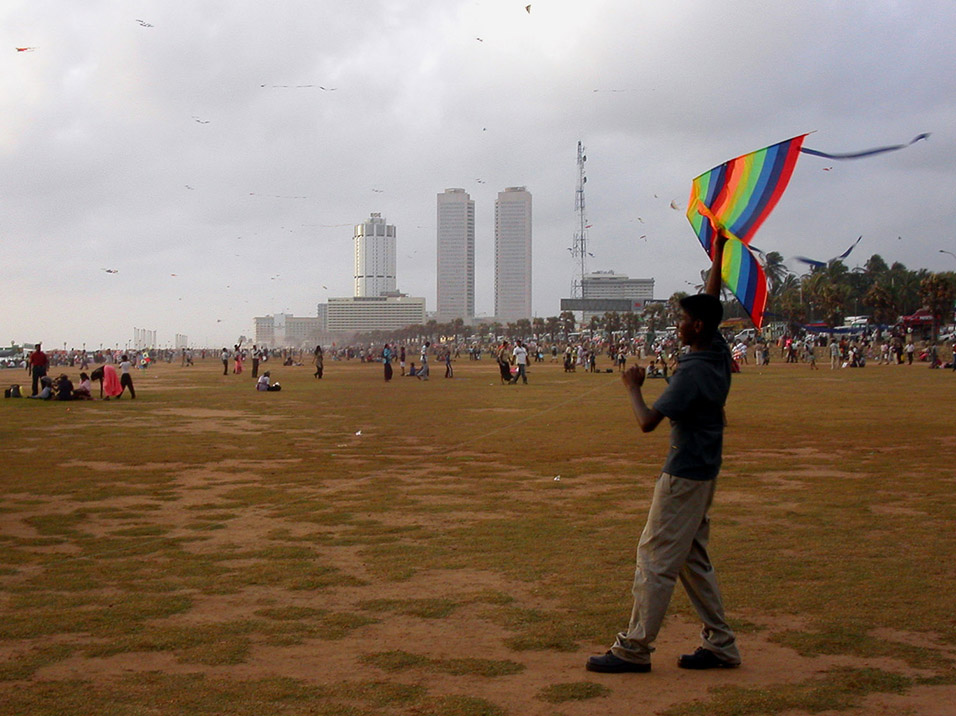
(238, 368)
(109, 381)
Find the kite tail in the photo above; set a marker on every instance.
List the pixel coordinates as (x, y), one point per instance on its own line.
(866, 152)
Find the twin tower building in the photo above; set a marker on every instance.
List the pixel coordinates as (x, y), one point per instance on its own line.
(375, 256)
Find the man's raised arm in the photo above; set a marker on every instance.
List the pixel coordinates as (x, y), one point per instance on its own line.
(714, 278)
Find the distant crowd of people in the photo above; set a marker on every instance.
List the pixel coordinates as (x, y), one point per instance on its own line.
(115, 375)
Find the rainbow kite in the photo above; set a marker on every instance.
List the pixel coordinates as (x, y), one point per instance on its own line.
(738, 196)
(745, 277)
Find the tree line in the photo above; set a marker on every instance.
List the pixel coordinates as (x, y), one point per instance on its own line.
(827, 294)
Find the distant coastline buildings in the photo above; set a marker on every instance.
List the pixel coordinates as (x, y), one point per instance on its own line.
(456, 256)
(513, 254)
(378, 305)
(603, 291)
(374, 241)
(607, 284)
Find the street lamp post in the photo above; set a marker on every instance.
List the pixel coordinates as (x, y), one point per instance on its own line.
(944, 251)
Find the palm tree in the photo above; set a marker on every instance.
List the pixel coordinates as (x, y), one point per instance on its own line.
(552, 325)
(632, 323)
(673, 307)
(654, 316)
(881, 302)
(938, 292)
(776, 271)
(568, 322)
(612, 321)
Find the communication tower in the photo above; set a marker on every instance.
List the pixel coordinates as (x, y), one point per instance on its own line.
(579, 249)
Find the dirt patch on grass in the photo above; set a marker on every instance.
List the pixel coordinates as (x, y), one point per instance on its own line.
(406, 543)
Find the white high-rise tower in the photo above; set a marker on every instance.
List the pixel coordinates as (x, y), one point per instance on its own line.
(513, 254)
(456, 256)
(374, 257)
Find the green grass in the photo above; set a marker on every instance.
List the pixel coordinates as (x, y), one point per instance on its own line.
(232, 533)
(573, 691)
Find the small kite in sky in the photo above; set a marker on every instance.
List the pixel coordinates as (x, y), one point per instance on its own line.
(528, 8)
(143, 23)
(737, 196)
(110, 270)
(675, 206)
(479, 39)
(25, 49)
(321, 87)
(200, 120)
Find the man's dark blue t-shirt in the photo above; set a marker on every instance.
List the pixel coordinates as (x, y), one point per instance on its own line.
(694, 402)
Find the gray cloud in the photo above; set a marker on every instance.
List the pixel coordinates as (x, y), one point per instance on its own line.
(158, 150)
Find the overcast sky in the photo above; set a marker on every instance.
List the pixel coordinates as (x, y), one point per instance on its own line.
(201, 159)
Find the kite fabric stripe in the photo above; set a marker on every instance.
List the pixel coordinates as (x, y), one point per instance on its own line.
(746, 279)
(739, 194)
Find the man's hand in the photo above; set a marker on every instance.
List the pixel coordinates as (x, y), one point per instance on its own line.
(714, 278)
(633, 377)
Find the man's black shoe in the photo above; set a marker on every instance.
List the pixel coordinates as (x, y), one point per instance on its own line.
(610, 664)
(704, 659)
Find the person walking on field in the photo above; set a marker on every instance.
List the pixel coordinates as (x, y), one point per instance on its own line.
(521, 361)
(225, 361)
(674, 541)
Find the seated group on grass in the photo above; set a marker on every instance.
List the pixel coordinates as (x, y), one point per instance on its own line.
(60, 389)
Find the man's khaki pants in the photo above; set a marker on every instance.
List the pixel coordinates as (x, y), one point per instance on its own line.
(674, 544)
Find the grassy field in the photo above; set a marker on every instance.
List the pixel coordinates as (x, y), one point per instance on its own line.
(459, 547)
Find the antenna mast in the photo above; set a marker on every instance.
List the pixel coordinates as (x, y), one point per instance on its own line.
(579, 249)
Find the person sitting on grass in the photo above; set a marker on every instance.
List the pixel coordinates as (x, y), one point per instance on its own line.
(263, 384)
(64, 387)
(46, 389)
(84, 391)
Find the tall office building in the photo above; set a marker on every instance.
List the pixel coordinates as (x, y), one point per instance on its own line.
(456, 256)
(513, 254)
(374, 257)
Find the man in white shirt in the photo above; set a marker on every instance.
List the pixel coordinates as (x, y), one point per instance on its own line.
(521, 360)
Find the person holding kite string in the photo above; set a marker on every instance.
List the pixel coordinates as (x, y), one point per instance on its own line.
(674, 541)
